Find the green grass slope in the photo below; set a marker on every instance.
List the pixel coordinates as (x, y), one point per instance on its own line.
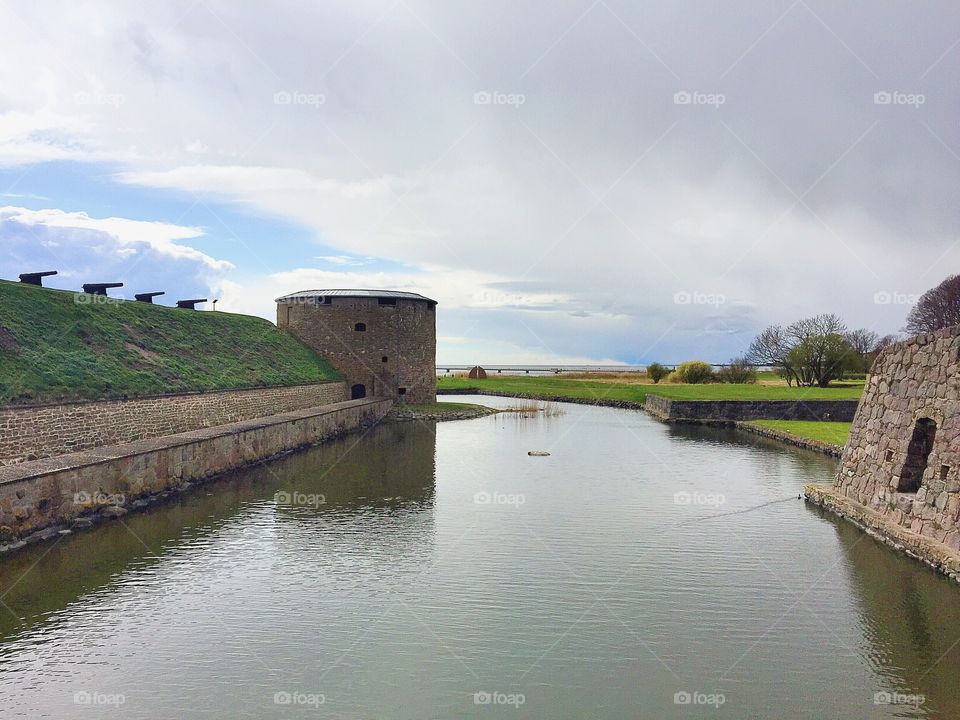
(559, 387)
(57, 345)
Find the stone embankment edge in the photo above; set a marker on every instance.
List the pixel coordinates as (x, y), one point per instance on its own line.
(406, 413)
(40, 497)
(927, 550)
(815, 445)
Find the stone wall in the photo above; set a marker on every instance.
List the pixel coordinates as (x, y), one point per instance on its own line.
(394, 355)
(38, 497)
(914, 385)
(30, 433)
(735, 410)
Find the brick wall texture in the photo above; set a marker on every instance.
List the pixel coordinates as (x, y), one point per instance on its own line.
(910, 415)
(393, 355)
(39, 432)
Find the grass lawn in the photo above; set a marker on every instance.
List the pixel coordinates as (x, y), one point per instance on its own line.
(554, 386)
(832, 433)
(57, 345)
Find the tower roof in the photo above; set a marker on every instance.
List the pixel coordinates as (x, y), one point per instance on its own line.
(393, 294)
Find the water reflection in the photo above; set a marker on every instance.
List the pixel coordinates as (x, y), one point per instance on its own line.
(393, 473)
(909, 616)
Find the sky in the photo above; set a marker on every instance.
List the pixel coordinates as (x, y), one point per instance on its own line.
(574, 182)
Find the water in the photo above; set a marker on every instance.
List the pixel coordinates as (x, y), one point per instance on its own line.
(443, 565)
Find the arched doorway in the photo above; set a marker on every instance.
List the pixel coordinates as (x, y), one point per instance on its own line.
(918, 455)
(358, 391)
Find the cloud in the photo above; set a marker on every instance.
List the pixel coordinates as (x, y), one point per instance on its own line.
(126, 234)
(572, 219)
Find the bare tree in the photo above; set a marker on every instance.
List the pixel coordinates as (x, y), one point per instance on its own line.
(937, 308)
(812, 351)
(864, 342)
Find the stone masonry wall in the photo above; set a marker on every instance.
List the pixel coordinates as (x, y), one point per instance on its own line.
(45, 431)
(911, 381)
(395, 352)
(735, 410)
(106, 482)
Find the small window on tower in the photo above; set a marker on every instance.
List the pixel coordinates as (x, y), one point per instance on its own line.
(944, 471)
(360, 327)
(386, 301)
(889, 456)
(401, 391)
(384, 359)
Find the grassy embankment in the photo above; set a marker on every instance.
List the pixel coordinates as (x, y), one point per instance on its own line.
(622, 389)
(57, 345)
(558, 386)
(832, 433)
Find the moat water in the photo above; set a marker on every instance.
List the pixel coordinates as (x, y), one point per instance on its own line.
(423, 571)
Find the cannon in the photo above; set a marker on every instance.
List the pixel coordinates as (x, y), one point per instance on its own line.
(99, 288)
(190, 304)
(36, 278)
(147, 297)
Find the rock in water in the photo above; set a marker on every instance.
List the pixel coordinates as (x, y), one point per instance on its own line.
(538, 453)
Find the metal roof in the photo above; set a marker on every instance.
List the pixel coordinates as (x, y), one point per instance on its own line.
(357, 294)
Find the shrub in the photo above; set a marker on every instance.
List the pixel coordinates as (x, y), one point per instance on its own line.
(737, 372)
(657, 372)
(693, 372)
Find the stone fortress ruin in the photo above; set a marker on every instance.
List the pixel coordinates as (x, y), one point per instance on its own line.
(383, 342)
(900, 472)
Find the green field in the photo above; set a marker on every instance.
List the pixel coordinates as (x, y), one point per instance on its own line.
(556, 387)
(832, 433)
(57, 345)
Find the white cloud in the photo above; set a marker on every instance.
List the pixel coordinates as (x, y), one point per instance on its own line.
(128, 234)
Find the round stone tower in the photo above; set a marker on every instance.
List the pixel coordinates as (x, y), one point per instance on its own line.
(383, 342)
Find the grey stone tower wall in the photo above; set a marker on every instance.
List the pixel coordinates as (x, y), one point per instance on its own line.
(397, 350)
(916, 379)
